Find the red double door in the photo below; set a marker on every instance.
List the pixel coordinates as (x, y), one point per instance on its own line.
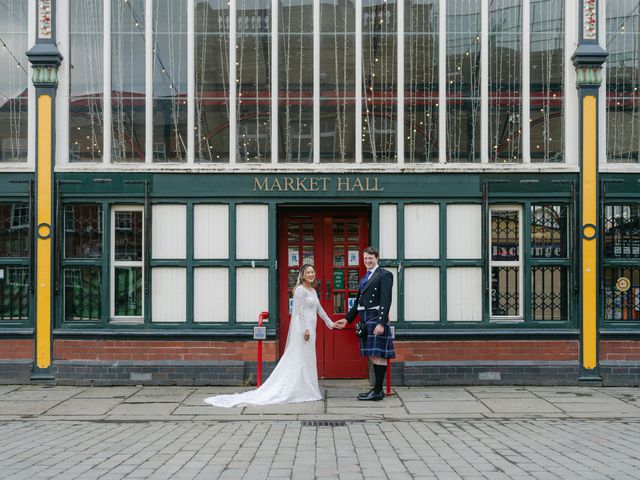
(332, 241)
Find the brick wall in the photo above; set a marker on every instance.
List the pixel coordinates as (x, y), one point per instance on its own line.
(161, 350)
(487, 350)
(619, 350)
(16, 349)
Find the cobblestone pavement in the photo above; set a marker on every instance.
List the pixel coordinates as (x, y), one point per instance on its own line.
(464, 449)
(439, 433)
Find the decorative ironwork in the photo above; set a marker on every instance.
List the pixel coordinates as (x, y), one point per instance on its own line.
(588, 75)
(14, 230)
(14, 293)
(621, 304)
(549, 293)
(82, 293)
(548, 231)
(505, 235)
(83, 231)
(622, 231)
(505, 291)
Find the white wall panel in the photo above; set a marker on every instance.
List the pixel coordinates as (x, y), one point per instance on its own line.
(464, 294)
(168, 294)
(252, 231)
(169, 231)
(211, 231)
(422, 294)
(252, 293)
(464, 231)
(388, 231)
(421, 231)
(211, 294)
(393, 313)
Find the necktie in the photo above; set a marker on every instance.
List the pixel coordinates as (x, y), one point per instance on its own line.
(365, 279)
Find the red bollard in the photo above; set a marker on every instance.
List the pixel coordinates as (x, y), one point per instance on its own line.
(388, 376)
(261, 317)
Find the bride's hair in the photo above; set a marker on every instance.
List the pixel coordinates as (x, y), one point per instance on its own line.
(303, 269)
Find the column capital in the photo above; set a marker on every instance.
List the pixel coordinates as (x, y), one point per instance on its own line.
(588, 60)
(45, 59)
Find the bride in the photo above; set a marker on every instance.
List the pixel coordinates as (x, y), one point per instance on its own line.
(295, 378)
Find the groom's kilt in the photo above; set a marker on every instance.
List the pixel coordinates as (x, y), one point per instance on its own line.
(376, 345)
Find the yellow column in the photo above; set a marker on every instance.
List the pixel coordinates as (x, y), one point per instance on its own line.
(44, 232)
(589, 232)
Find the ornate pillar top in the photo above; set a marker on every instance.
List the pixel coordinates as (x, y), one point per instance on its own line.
(589, 56)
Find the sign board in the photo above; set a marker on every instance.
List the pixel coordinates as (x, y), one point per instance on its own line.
(350, 302)
(353, 258)
(623, 284)
(338, 279)
(294, 257)
(259, 333)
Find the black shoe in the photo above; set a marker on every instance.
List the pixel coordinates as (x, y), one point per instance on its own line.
(373, 396)
(362, 395)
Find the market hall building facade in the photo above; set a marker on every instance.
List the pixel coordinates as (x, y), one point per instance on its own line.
(168, 165)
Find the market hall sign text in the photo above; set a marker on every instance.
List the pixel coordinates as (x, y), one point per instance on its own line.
(316, 184)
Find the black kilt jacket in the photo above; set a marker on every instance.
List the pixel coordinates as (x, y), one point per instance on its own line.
(376, 295)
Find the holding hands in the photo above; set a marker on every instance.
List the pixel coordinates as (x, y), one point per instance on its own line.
(340, 324)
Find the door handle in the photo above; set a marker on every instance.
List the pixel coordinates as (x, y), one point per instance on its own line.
(328, 291)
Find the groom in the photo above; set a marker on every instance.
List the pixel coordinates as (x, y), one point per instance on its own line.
(372, 304)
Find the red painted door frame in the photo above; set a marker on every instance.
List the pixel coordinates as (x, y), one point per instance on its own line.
(326, 237)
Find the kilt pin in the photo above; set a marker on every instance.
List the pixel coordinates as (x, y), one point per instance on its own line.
(372, 304)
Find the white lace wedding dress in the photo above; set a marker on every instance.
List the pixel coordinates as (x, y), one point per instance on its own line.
(295, 378)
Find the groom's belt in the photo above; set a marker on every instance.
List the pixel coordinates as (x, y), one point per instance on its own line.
(361, 308)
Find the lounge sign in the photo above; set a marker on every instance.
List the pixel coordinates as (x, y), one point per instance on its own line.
(316, 184)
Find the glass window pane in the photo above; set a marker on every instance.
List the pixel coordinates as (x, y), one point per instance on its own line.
(128, 236)
(14, 229)
(128, 80)
(505, 54)
(463, 81)
(253, 80)
(212, 81)
(296, 118)
(379, 81)
(337, 81)
(86, 127)
(82, 293)
(295, 73)
(128, 297)
(505, 236)
(622, 231)
(548, 231)
(421, 67)
(379, 130)
(254, 131)
(14, 293)
(82, 231)
(621, 304)
(170, 81)
(14, 80)
(623, 81)
(546, 117)
(505, 291)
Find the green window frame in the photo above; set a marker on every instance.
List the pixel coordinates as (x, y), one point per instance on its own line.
(15, 264)
(550, 306)
(620, 274)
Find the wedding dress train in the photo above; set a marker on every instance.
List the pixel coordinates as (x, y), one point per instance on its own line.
(295, 378)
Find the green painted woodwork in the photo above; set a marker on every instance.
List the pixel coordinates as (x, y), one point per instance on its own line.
(399, 189)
